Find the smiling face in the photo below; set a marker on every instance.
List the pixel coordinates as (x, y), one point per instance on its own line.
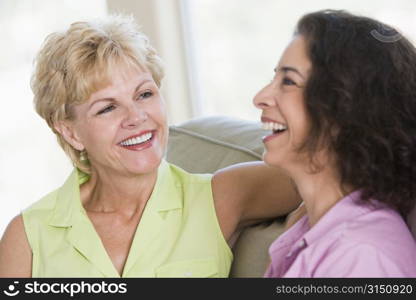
(122, 126)
(283, 107)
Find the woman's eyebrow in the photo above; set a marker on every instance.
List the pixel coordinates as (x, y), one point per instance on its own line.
(286, 69)
(112, 99)
(100, 100)
(140, 85)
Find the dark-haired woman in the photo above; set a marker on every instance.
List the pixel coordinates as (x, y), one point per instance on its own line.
(342, 111)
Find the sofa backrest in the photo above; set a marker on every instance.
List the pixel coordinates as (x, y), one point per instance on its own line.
(205, 145)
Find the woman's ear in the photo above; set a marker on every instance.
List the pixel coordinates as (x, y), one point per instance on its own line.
(67, 130)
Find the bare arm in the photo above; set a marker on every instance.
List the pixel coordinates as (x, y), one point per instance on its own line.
(251, 192)
(15, 252)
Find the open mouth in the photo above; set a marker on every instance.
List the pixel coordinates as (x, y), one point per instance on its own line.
(138, 141)
(276, 128)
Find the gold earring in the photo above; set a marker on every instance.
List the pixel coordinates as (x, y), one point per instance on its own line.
(83, 156)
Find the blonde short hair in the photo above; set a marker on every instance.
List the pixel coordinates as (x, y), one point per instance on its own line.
(73, 64)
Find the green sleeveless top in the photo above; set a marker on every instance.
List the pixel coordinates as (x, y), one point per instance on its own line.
(178, 234)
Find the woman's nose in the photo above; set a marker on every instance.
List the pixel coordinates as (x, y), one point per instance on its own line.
(264, 98)
(134, 117)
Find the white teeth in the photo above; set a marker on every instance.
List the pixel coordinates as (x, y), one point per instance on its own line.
(137, 140)
(273, 126)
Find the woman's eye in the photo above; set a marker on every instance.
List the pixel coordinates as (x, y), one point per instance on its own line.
(288, 81)
(145, 95)
(106, 110)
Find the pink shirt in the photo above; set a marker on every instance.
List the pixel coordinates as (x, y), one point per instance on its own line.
(350, 240)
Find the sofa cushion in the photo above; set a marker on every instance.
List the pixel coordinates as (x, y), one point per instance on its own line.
(205, 145)
(251, 255)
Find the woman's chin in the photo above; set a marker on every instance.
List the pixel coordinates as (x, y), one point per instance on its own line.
(141, 162)
(273, 159)
(147, 166)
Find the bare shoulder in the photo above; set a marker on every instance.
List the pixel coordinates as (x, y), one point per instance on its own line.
(233, 184)
(15, 251)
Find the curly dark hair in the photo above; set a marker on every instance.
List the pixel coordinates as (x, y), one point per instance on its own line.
(362, 86)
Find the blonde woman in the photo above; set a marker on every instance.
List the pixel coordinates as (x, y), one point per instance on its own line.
(124, 211)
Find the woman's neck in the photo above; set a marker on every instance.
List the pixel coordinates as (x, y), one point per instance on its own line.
(111, 192)
(319, 191)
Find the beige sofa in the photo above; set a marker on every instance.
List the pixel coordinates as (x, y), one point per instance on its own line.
(205, 145)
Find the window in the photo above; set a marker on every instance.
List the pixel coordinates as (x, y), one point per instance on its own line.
(235, 44)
